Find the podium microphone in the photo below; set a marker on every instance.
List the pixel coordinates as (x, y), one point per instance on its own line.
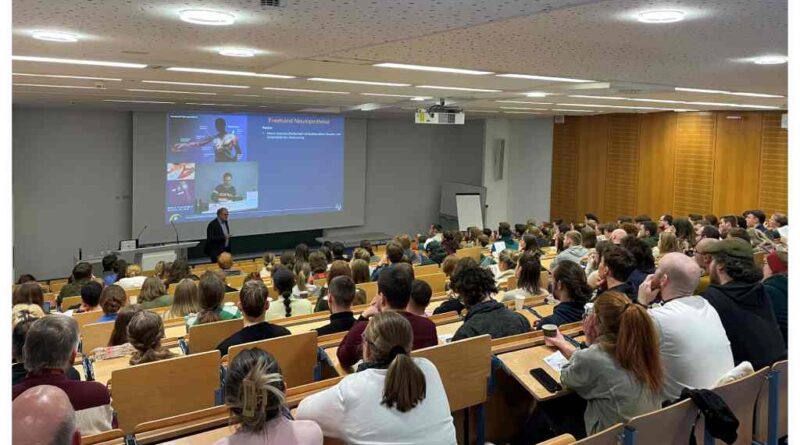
(172, 222)
(140, 234)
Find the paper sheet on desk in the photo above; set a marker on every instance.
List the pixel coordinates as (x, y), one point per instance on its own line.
(556, 361)
(445, 338)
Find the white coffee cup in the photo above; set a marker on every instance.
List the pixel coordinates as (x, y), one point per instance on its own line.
(519, 303)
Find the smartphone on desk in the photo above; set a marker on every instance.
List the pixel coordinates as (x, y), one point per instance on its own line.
(545, 380)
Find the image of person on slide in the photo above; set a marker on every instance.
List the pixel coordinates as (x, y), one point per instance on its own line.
(226, 145)
(225, 192)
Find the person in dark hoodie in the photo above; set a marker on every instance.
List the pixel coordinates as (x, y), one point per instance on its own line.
(572, 291)
(776, 283)
(485, 315)
(643, 257)
(743, 305)
(616, 267)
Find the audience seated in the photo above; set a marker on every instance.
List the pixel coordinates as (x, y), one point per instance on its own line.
(211, 293)
(288, 305)
(649, 233)
(434, 234)
(394, 255)
(109, 275)
(118, 343)
(708, 232)
(301, 253)
(145, 332)
(120, 269)
(160, 270)
(644, 262)
(504, 234)
(338, 268)
(421, 294)
(185, 301)
(302, 288)
(269, 264)
(572, 291)
(50, 348)
(28, 293)
(341, 292)
(319, 266)
(620, 374)
(394, 293)
(529, 275)
(434, 254)
(360, 254)
(366, 245)
(454, 301)
(337, 250)
(760, 241)
(573, 249)
(154, 294)
(253, 302)
(359, 268)
(112, 299)
(617, 235)
(506, 266)
(81, 275)
(90, 297)
(178, 270)
(695, 350)
(485, 315)
(743, 305)
(225, 263)
(395, 399)
(255, 395)
(22, 323)
(776, 283)
(44, 415)
(133, 278)
(616, 267)
(778, 223)
(755, 219)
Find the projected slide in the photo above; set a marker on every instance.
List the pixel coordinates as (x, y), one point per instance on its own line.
(253, 165)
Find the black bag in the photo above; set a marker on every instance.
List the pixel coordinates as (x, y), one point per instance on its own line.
(721, 423)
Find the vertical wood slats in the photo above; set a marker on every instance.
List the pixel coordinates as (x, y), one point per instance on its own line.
(774, 180)
(694, 163)
(563, 191)
(622, 166)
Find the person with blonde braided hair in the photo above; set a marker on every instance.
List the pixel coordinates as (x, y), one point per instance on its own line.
(145, 332)
(254, 394)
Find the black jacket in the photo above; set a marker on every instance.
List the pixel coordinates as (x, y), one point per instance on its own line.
(450, 305)
(493, 318)
(564, 313)
(776, 287)
(215, 239)
(340, 322)
(749, 322)
(260, 331)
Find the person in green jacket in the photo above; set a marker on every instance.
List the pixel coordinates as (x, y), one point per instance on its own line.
(776, 282)
(153, 294)
(81, 275)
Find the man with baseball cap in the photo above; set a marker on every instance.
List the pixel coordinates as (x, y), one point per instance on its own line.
(739, 297)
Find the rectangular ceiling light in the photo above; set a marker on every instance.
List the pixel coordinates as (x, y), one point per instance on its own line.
(522, 108)
(229, 73)
(138, 101)
(302, 90)
(438, 69)
(729, 93)
(481, 111)
(520, 112)
(212, 85)
(59, 76)
(571, 111)
(359, 82)
(143, 90)
(600, 97)
(476, 90)
(78, 62)
(714, 104)
(523, 102)
(53, 86)
(738, 93)
(700, 90)
(396, 95)
(216, 105)
(547, 78)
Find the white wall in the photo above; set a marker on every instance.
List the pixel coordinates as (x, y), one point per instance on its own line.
(524, 191)
(72, 186)
(72, 179)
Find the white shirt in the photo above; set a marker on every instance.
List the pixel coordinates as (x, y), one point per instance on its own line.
(438, 237)
(351, 411)
(695, 351)
(132, 282)
(299, 306)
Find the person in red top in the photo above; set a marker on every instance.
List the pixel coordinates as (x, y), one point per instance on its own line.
(394, 292)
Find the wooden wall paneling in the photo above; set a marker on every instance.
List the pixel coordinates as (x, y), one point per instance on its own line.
(738, 156)
(656, 164)
(564, 183)
(774, 165)
(694, 163)
(622, 166)
(592, 148)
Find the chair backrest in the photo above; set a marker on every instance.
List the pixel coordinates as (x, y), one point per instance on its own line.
(164, 388)
(130, 293)
(250, 267)
(84, 318)
(472, 252)
(171, 289)
(110, 437)
(68, 302)
(758, 258)
(436, 281)
(609, 436)
(296, 355)
(668, 426)
(564, 439)
(781, 370)
(206, 337)
(427, 269)
(320, 282)
(231, 297)
(55, 286)
(235, 281)
(544, 279)
(741, 396)
(511, 283)
(464, 367)
(95, 335)
(370, 288)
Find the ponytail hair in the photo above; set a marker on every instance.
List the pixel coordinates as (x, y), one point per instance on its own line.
(631, 338)
(145, 332)
(389, 339)
(254, 389)
(283, 281)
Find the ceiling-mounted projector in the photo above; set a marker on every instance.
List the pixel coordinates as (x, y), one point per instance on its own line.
(440, 114)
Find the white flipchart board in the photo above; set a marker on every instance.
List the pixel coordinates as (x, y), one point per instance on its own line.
(470, 211)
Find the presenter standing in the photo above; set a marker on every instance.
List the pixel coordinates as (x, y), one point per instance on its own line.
(218, 235)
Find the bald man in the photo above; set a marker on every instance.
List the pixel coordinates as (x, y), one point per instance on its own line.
(695, 350)
(617, 235)
(43, 414)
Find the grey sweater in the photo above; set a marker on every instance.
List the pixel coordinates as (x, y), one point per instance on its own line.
(493, 318)
(574, 254)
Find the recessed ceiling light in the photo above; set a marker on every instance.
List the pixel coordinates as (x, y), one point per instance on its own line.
(522, 108)
(439, 69)
(79, 62)
(730, 93)
(360, 82)
(520, 112)
(537, 94)
(613, 106)
(138, 101)
(700, 90)
(303, 90)
(247, 95)
(548, 78)
(58, 76)
(143, 90)
(53, 86)
(523, 102)
(207, 17)
(738, 93)
(599, 97)
(396, 95)
(770, 60)
(421, 98)
(217, 105)
(568, 110)
(228, 72)
(440, 87)
(214, 85)
(237, 52)
(661, 16)
(55, 36)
